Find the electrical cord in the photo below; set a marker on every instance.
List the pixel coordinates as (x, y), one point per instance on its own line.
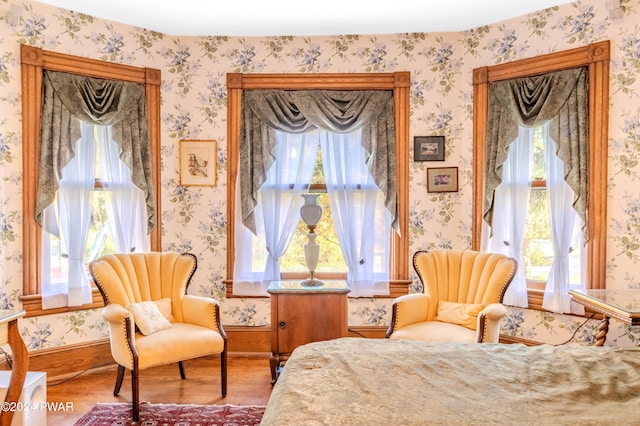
(356, 332)
(575, 331)
(65, 380)
(8, 358)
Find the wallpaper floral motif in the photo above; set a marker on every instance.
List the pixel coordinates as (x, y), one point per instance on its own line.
(194, 107)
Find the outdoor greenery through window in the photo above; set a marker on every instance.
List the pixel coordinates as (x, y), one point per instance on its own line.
(331, 258)
(97, 210)
(537, 246)
(100, 240)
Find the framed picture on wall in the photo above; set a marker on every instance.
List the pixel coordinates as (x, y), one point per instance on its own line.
(198, 162)
(442, 179)
(428, 148)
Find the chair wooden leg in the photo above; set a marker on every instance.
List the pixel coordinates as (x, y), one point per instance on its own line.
(135, 390)
(181, 367)
(119, 378)
(223, 371)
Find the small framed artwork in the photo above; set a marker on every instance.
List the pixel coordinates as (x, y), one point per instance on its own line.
(442, 179)
(198, 162)
(428, 148)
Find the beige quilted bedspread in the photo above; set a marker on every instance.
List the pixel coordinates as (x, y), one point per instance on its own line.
(354, 381)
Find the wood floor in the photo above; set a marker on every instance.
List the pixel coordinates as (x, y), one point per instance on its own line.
(249, 383)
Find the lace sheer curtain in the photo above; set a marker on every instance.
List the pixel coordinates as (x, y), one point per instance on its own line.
(277, 212)
(564, 232)
(246, 280)
(69, 219)
(126, 210)
(360, 219)
(510, 211)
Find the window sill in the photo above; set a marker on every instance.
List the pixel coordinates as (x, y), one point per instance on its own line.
(32, 305)
(535, 295)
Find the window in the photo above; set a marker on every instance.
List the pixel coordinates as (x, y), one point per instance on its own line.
(292, 262)
(534, 220)
(596, 58)
(537, 244)
(398, 82)
(34, 63)
(360, 220)
(331, 260)
(97, 210)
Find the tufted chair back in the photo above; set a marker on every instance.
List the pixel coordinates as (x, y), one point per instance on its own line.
(461, 299)
(463, 276)
(126, 278)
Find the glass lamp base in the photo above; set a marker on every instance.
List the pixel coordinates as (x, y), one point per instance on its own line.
(312, 282)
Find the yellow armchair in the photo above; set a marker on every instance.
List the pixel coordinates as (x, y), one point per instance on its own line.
(177, 326)
(462, 299)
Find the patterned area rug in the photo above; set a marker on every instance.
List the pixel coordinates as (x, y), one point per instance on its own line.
(104, 414)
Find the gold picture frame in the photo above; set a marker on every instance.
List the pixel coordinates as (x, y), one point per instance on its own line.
(442, 179)
(198, 162)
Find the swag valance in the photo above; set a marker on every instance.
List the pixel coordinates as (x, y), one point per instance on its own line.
(68, 97)
(558, 97)
(265, 111)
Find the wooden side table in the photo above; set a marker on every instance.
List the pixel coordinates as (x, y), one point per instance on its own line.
(10, 334)
(301, 315)
(623, 305)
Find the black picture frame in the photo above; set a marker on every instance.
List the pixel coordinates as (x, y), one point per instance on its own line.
(428, 148)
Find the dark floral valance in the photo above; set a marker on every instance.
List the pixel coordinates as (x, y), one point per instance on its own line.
(560, 98)
(68, 97)
(265, 111)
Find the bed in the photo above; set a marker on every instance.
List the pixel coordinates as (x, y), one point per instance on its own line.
(356, 381)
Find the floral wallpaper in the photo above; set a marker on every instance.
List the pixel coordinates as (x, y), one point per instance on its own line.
(194, 107)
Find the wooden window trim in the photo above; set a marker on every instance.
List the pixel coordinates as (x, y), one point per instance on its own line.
(399, 82)
(596, 58)
(33, 61)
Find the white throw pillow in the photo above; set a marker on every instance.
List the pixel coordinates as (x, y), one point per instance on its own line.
(148, 317)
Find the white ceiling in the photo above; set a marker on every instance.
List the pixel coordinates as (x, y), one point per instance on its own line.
(288, 17)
